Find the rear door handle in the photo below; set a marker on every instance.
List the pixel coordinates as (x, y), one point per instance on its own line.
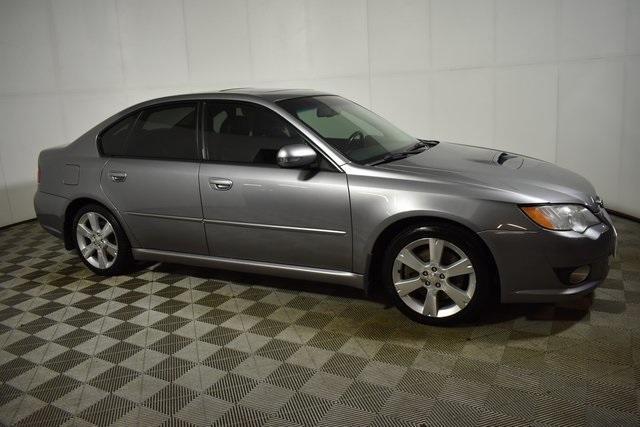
(221, 184)
(117, 176)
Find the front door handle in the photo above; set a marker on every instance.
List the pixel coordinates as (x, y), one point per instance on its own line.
(221, 184)
(117, 176)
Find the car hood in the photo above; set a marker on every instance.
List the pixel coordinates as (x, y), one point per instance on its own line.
(525, 179)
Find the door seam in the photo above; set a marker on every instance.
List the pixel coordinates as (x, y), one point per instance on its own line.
(204, 225)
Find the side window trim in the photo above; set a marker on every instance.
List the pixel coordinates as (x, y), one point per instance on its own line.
(202, 147)
(205, 152)
(138, 113)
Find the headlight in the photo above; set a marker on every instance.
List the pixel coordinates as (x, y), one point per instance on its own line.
(561, 217)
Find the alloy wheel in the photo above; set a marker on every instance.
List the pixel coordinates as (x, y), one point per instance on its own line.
(434, 277)
(97, 240)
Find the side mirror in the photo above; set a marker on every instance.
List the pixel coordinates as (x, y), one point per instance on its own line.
(295, 156)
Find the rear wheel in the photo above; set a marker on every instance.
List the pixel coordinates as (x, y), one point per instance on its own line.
(101, 242)
(437, 274)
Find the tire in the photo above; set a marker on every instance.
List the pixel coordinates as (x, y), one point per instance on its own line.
(454, 294)
(101, 242)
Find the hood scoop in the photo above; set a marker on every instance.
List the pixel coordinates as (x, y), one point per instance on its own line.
(512, 161)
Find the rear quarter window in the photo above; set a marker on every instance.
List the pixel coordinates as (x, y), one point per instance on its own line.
(113, 140)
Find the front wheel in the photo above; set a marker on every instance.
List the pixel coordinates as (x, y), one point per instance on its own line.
(101, 242)
(437, 273)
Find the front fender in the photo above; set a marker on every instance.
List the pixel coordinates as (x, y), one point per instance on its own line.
(374, 208)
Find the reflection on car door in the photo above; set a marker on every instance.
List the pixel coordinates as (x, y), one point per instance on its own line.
(255, 210)
(152, 178)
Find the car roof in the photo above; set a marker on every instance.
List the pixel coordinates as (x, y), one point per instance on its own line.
(269, 95)
(273, 95)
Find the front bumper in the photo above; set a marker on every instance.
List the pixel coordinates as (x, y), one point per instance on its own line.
(531, 264)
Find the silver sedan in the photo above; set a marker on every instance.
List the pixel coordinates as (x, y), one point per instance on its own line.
(310, 185)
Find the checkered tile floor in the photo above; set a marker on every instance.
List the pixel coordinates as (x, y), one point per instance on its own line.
(171, 345)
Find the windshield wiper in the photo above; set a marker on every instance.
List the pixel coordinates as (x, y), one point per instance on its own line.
(417, 148)
(419, 144)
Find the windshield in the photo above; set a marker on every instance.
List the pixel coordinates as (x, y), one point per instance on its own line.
(361, 135)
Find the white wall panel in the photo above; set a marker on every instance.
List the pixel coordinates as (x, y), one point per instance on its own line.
(88, 44)
(526, 30)
(405, 100)
(20, 146)
(6, 217)
(398, 35)
(218, 40)
(279, 39)
(462, 33)
(154, 35)
(633, 32)
(83, 111)
(338, 37)
(630, 165)
(463, 105)
(590, 122)
(26, 54)
(545, 78)
(592, 27)
(526, 110)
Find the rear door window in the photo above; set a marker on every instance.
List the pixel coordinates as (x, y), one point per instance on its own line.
(163, 132)
(167, 132)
